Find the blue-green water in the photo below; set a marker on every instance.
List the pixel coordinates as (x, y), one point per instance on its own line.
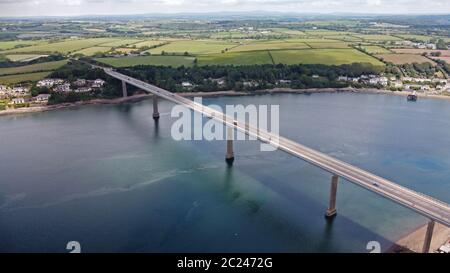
(110, 178)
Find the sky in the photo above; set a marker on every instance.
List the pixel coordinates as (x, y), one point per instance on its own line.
(107, 7)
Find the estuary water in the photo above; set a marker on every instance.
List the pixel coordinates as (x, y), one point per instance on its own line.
(112, 179)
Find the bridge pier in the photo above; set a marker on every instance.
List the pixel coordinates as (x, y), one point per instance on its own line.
(155, 107)
(428, 237)
(124, 89)
(229, 157)
(331, 211)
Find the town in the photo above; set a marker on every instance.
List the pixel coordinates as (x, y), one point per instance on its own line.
(22, 95)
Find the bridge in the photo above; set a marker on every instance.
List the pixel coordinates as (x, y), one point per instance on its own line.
(435, 210)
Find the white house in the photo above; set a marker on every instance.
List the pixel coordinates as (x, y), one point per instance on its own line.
(98, 83)
(48, 82)
(83, 90)
(186, 84)
(381, 80)
(18, 91)
(42, 97)
(63, 88)
(284, 81)
(17, 101)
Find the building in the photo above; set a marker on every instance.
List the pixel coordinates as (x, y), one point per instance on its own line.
(49, 82)
(80, 82)
(98, 83)
(17, 101)
(42, 97)
(186, 84)
(19, 91)
(63, 88)
(430, 46)
(381, 80)
(83, 90)
(3, 88)
(284, 82)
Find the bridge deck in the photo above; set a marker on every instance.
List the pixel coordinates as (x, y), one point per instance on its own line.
(421, 203)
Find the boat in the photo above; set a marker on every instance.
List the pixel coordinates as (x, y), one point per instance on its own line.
(412, 97)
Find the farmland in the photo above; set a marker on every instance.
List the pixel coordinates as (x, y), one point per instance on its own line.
(193, 47)
(421, 51)
(378, 37)
(236, 58)
(63, 47)
(373, 49)
(174, 61)
(404, 58)
(322, 56)
(23, 57)
(93, 50)
(32, 68)
(13, 79)
(272, 45)
(190, 43)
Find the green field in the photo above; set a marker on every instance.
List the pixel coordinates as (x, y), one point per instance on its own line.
(30, 77)
(49, 66)
(193, 47)
(404, 58)
(312, 40)
(322, 56)
(326, 32)
(291, 32)
(23, 57)
(229, 35)
(422, 38)
(378, 37)
(346, 38)
(13, 44)
(64, 47)
(328, 45)
(121, 43)
(236, 58)
(174, 61)
(92, 50)
(375, 49)
(148, 43)
(268, 45)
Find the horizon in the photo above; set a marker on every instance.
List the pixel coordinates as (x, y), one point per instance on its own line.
(78, 8)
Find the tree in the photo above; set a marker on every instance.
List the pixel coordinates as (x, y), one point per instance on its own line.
(441, 44)
(39, 90)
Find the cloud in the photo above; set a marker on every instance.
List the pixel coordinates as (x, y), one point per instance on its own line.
(77, 7)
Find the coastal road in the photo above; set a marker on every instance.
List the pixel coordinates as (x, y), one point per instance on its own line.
(425, 205)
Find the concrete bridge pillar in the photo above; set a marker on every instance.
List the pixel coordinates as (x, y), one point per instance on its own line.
(155, 107)
(331, 211)
(428, 237)
(229, 157)
(124, 89)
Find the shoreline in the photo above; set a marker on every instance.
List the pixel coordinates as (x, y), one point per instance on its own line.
(141, 97)
(413, 241)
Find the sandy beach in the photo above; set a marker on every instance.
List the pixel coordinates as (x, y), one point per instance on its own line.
(413, 242)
